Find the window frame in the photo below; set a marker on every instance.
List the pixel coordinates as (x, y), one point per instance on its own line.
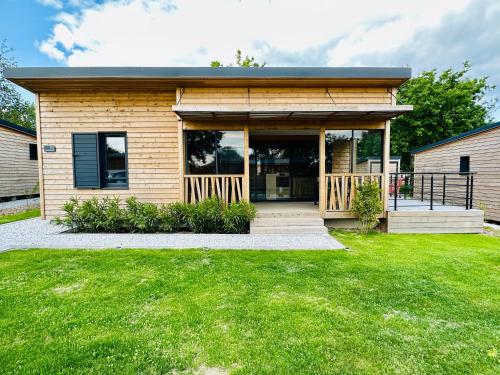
(101, 136)
(33, 155)
(467, 159)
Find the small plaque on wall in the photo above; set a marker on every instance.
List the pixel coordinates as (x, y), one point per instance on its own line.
(49, 148)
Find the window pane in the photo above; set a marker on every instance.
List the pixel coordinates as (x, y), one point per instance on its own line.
(230, 158)
(200, 152)
(115, 171)
(214, 152)
(353, 151)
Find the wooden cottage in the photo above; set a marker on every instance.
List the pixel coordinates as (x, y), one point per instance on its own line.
(18, 161)
(268, 135)
(476, 151)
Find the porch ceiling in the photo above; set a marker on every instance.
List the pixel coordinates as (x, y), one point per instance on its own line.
(290, 112)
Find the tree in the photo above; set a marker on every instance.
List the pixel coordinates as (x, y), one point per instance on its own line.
(443, 106)
(247, 62)
(12, 106)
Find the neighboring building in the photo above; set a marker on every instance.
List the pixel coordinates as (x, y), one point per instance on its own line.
(169, 134)
(18, 161)
(477, 151)
(372, 164)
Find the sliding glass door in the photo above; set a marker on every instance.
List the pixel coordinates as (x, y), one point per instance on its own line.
(283, 170)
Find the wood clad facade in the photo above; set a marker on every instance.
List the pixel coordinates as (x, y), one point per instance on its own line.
(155, 136)
(483, 150)
(152, 140)
(18, 174)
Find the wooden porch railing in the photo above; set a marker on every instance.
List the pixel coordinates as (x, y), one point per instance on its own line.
(229, 188)
(340, 189)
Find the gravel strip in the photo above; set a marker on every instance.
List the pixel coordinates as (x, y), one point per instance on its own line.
(37, 233)
(19, 205)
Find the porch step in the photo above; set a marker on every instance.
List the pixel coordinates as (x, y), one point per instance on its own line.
(287, 218)
(289, 229)
(288, 221)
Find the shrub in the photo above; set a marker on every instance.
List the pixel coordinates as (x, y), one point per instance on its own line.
(237, 216)
(367, 205)
(108, 215)
(92, 215)
(179, 213)
(206, 216)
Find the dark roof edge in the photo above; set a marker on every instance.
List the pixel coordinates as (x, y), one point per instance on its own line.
(458, 137)
(18, 128)
(208, 72)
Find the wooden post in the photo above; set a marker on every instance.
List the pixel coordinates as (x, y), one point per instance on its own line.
(41, 186)
(181, 153)
(322, 184)
(246, 158)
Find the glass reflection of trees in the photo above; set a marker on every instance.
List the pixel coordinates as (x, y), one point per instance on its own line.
(346, 148)
(214, 152)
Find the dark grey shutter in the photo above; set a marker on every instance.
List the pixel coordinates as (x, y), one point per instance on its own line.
(86, 160)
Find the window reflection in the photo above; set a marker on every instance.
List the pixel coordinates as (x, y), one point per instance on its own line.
(115, 163)
(214, 152)
(353, 151)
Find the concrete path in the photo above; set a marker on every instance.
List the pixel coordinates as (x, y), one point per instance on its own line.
(36, 233)
(19, 204)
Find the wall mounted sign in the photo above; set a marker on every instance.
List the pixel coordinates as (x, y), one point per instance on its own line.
(49, 148)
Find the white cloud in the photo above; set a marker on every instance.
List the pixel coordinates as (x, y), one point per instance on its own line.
(190, 32)
(58, 4)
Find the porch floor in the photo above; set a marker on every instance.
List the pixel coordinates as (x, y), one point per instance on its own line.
(418, 205)
(306, 207)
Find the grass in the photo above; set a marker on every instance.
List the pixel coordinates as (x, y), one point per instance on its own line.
(28, 214)
(407, 304)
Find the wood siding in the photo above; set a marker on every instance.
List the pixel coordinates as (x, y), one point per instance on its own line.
(287, 95)
(152, 136)
(459, 221)
(484, 152)
(18, 174)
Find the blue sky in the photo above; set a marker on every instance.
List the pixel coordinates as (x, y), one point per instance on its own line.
(421, 34)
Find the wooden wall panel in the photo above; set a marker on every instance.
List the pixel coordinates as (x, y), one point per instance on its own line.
(152, 136)
(484, 152)
(287, 95)
(18, 174)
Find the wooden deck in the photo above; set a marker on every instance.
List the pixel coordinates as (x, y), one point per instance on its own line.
(414, 216)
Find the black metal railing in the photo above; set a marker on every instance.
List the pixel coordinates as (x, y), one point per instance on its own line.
(409, 189)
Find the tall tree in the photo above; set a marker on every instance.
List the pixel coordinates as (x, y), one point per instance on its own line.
(12, 106)
(244, 62)
(444, 105)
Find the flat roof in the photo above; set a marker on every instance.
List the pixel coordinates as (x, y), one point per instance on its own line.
(458, 137)
(18, 128)
(207, 72)
(32, 78)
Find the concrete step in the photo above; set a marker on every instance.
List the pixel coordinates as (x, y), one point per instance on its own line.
(290, 213)
(287, 221)
(289, 229)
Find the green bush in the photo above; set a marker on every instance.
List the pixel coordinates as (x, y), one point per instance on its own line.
(92, 215)
(108, 215)
(367, 205)
(237, 216)
(206, 216)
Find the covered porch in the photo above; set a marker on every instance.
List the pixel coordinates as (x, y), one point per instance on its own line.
(238, 145)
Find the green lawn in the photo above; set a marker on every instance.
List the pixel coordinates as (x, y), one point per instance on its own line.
(407, 304)
(4, 219)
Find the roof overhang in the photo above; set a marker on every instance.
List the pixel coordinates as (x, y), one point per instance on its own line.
(161, 78)
(290, 112)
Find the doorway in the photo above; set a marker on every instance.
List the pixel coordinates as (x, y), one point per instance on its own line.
(284, 166)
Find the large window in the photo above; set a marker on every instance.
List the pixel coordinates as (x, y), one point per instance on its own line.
(354, 151)
(214, 152)
(113, 159)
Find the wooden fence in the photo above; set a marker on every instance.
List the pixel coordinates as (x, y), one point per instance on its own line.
(227, 187)
(341, 189)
